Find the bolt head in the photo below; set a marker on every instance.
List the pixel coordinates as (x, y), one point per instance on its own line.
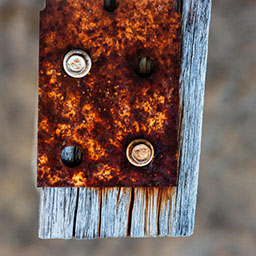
(110, 5)
(71, 156)
(140, 152)
(77, 63)
(144, 66)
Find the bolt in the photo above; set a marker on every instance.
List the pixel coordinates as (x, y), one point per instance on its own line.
(77, 63)
(110, 5)
(140, 152)
(144, 66)
(71, 156)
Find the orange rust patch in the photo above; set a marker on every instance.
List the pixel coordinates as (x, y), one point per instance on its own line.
(104, 111)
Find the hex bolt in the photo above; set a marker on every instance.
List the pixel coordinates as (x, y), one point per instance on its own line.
(144, 66)
(71, 156)
(110, 5)
(140, 152)
(77, 63)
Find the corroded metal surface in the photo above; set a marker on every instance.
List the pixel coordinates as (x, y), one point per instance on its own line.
(104, 111)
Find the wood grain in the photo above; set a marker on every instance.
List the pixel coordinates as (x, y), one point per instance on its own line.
(195, 30)
(57, 212)
(89, 213)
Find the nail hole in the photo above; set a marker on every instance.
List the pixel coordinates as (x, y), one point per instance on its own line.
(144, 66)
(71, 156)
(110, 5)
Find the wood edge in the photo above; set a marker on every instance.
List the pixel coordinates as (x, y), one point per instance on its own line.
(195, 31)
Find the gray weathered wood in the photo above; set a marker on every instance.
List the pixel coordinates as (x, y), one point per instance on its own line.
(145, 213)
(196, 21)
(141, 212)
(165, 206)
(57, 212)
(88, 213)
(115, 208)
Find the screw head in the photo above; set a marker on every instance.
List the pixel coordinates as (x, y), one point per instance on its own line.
(77, 63)
(140, 152)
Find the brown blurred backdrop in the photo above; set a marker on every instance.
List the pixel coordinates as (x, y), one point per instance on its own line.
(226, 213)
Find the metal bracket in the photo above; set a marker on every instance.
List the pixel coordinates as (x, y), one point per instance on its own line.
(107, 79)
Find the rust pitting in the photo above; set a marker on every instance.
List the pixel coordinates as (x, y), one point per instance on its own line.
(104, 111)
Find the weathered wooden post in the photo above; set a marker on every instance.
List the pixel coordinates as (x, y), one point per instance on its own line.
(121, 92)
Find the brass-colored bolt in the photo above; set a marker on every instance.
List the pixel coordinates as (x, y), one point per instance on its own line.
(144, 66)
(140, 152)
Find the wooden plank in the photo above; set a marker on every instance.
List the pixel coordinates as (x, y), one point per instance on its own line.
(165, 206)
(195, 29)
(140, 212)
(88, 213)
(57, 212)
(145, 213)
(115, 212)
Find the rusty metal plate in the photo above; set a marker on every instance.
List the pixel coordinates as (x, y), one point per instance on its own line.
(103, 112)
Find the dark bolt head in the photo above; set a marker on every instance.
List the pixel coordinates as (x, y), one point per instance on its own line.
(144, 66)
(71, 156)
(110, 5)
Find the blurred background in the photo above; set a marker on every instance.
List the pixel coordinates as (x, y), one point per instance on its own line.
(226, 212)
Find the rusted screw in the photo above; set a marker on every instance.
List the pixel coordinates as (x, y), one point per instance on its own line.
(140, 152)
(71, 156)
(110, 5)
(144, 66)
(77, 63)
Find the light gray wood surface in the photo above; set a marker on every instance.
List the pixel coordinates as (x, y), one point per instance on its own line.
(57, 212)
(195, 30)
(88, 213)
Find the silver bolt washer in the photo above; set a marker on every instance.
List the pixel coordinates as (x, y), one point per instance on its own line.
(77, 63)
